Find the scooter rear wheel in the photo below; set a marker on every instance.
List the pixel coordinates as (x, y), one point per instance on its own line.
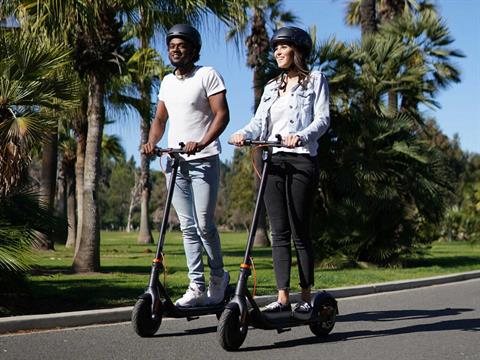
(142, 321)
(327, 313)
(230, 332)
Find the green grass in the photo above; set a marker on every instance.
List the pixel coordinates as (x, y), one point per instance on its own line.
(52, 287)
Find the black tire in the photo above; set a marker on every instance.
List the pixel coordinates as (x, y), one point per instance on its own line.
(327, 314)
(230, 333)
(142, 321)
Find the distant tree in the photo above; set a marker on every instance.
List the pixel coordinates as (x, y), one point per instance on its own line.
(462, 219)
(115, 197)
(240, 193)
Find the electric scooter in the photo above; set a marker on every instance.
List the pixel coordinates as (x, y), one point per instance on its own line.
(238, 315)
(155, 302)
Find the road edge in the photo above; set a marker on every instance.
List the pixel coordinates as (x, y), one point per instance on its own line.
(15, 324)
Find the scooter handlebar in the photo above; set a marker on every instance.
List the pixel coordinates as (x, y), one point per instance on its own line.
(277, 143)
(157, 151)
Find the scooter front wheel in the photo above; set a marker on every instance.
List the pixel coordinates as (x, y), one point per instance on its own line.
(230, 332)
(142, 321)
(326, 314)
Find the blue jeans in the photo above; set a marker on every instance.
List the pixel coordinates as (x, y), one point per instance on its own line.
(194, 200)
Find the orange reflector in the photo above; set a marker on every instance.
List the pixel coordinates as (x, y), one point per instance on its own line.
(157, 260)
(245, 266)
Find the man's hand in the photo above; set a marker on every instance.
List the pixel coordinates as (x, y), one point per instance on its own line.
(148, 148)
(192, 147)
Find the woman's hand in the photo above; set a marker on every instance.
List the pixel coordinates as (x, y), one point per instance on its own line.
(291, 141)
(237, 139)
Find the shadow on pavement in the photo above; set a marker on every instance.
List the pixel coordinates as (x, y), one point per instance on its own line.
(392, 315)
(199, 331)
(384, 316)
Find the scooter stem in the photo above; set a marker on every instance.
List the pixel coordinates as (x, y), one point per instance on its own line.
(166, 213)
(258, 203)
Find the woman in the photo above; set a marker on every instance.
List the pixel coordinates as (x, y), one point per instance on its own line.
(294, 105)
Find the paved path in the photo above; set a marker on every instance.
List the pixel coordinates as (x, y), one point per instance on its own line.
(91, 317)
(437, 322)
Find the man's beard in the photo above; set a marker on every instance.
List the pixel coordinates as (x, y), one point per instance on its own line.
(180, 63)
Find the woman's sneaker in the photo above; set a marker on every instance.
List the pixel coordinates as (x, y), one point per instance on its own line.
(193, 297)
(302, 310)
(216, 288)
(276, 307)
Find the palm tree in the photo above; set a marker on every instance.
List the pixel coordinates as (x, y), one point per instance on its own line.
(31, 81)
(382, 184)
(374, 12)
(144, 69)
(95, 32)
(93, 28)
(67, 148)
(263, 13)
(367, 17)
(111, 148)
(428, 33)
(370, 14)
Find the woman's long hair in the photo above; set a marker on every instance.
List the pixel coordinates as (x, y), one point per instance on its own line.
(299, 64)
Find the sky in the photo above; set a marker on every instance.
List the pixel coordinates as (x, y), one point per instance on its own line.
(459, 112)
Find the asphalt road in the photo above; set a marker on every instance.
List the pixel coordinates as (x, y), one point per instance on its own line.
(438, 322)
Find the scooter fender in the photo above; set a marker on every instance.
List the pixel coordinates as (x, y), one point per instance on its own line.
(322, 297)
(239, 305)
(156, 304)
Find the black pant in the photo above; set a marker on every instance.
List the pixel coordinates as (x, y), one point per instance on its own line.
(289, 195)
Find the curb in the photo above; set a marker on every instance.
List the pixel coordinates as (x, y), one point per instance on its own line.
(122, 314)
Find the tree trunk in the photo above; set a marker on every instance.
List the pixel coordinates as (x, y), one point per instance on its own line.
(261, 236)
(69, 171)
(368, 20)
(392, 103)
(87, 258)
(145, 233)
(258, 47)
(133, 200)
(60, 234)
(48, 181)
(71, 216)
(79, 169)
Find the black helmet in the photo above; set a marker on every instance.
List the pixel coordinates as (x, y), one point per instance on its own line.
(187, 32)
(295, 36)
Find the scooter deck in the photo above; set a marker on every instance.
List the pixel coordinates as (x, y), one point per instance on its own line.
(281, 320)
(181, 312)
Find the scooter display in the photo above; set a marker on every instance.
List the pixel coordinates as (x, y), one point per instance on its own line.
(155, 302)
(242, 311)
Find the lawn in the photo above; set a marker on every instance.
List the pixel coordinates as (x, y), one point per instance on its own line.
(52, 287)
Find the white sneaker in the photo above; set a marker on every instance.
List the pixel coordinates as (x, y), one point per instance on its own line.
(216, 288)
(193, 297)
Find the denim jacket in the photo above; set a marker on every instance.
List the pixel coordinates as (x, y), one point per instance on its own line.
(309, 115)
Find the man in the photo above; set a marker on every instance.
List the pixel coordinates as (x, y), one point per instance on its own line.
(193, 99)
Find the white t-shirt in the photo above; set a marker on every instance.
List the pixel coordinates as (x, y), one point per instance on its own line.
(189, 111)
(279, 125)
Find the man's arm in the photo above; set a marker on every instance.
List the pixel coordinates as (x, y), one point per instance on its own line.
(158, 127)
(219, 106)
